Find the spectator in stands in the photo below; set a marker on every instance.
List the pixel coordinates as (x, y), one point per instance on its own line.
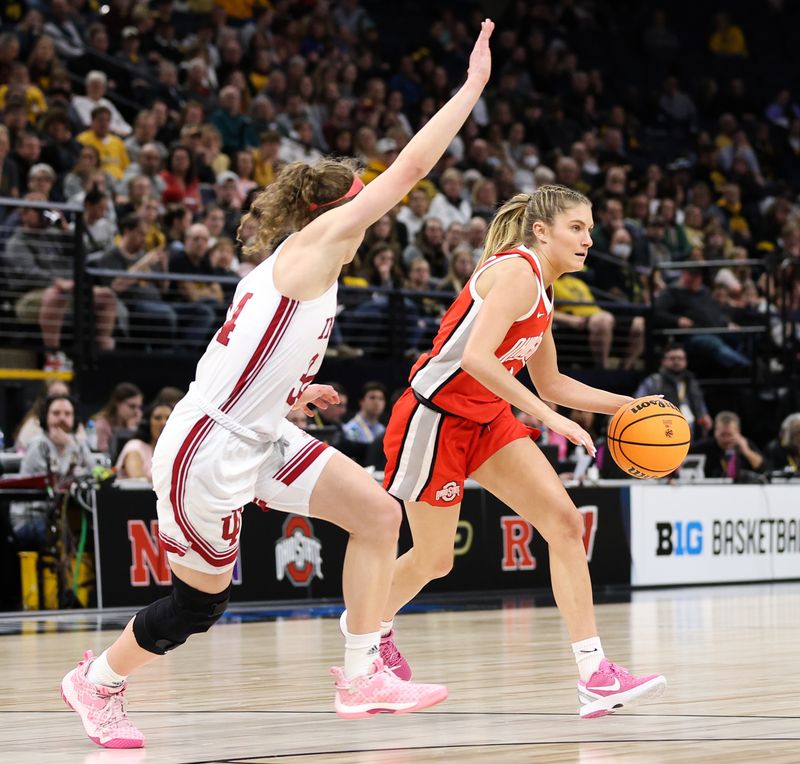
(60, 150)
(144, 132)
(39, 270)
(31, 427)
(365, 426)
(381, 268)
(180, 179)
(113, 155)
(783, 453)
(148, 165)
(462, 265)
(27, 153)
(19, 86)
(120, 417)
(450, 206)
(193, 261)
(413, 214)
(615, 274)
(87, 162)
(230, 121)
(9, 176)
(678, 385)
(64, 29)
(135, 460)
(228, 200)
(56, 452)
(84, 105)
(149, 313)
(98, 230)
(587, 316)
(42, 180)
(429, 243)
(729, 453)
(689, 305)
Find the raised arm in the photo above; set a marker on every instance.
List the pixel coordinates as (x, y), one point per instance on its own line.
(414, 162)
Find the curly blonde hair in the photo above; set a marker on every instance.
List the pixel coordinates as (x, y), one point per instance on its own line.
(285, 205)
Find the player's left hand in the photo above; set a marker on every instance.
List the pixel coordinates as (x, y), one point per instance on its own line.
(321, 396)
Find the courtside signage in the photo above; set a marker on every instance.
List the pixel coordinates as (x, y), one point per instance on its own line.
(298, 555)
(714, 534)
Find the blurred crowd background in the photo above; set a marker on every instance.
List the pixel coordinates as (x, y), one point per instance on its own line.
(134, 134)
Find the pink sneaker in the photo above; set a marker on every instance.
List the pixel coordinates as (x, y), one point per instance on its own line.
(381, 691)
(611, 687)
(393, 659)
(102, 710)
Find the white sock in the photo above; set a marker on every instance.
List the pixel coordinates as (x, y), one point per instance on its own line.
(360, 650)
(386, 627)
(101, 673)
(588, 654)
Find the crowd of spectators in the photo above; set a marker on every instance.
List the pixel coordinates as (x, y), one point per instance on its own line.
(162, 119)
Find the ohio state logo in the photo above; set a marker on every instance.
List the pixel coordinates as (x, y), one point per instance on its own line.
(298, 554)
(448, 492)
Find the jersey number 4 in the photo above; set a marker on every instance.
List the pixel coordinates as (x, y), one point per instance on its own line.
(223, 337)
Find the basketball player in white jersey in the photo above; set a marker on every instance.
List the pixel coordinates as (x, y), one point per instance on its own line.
(228, 442)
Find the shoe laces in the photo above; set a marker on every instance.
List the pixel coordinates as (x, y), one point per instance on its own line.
(391, 653)
(616, 670)
(114, 710)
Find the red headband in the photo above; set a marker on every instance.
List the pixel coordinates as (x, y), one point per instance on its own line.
(355, 187)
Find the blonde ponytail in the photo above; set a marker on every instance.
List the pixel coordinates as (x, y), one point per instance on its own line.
(513, 222)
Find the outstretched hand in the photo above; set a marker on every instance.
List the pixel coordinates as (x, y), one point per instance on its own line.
(480, 60)
(321, 396)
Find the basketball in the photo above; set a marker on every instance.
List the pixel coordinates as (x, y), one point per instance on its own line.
(649, 437)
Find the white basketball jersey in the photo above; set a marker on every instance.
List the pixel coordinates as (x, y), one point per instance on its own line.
(266, 353)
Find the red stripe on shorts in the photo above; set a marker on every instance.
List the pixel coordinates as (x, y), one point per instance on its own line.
(302, 461)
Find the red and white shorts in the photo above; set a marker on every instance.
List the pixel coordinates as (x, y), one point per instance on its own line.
(204, 474)
(429, 455)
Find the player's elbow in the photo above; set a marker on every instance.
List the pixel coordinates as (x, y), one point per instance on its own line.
(547, 387)
(472, 363)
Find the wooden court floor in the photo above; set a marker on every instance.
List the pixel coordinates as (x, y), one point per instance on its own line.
(258, 692)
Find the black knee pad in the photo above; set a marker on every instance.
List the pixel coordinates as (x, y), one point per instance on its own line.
(170, 621)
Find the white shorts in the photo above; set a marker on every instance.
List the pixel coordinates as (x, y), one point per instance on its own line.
(204, 474)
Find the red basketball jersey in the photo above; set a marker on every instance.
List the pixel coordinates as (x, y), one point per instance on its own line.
(438, 377)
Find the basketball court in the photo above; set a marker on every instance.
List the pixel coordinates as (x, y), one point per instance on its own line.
(255, 688)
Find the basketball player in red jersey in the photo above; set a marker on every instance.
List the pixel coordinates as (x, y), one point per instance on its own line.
(455, 421)
(228, 441)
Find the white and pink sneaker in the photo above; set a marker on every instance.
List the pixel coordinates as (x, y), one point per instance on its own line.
(101, 708)
(393, 659)
(381, 691)
(611, 688)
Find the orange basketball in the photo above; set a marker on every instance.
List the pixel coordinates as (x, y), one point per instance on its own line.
(649, 437)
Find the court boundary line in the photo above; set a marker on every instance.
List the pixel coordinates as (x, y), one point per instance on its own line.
(626, 715)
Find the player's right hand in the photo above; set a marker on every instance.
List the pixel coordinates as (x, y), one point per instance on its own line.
(480, 60)
(572, 431)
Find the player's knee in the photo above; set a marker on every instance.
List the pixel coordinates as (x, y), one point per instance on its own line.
(568, 526)
(436, 563)
(169, 622)
(382, 522)
(441, 565)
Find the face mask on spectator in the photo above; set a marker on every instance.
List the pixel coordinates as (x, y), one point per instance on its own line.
(621, 250)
